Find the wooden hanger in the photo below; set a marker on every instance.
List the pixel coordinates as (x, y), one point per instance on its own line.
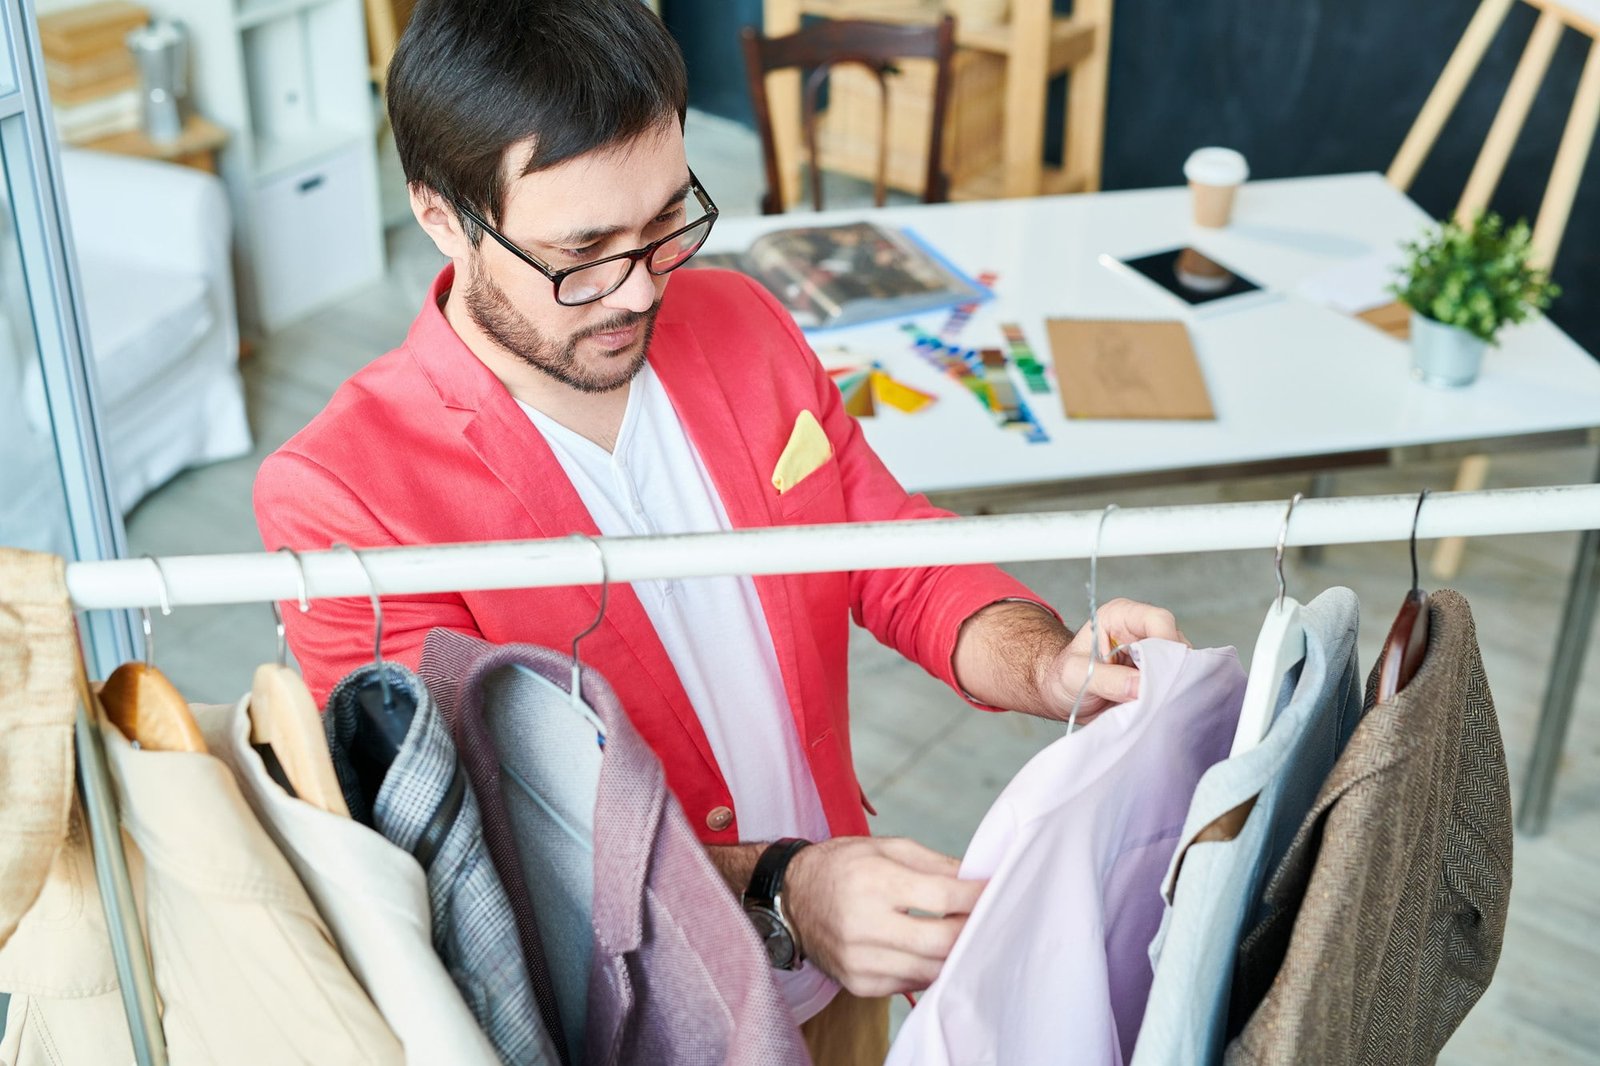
(150, 710)
(284, 718)
(1280, 646)
(1407, 643)
(285, 726)
(141, 702)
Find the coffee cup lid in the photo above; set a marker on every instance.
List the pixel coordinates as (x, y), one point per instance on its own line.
(1216, 166)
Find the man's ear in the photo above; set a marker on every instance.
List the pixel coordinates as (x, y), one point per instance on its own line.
(440, 222)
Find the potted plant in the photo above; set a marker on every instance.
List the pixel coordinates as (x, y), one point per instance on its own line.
(1463, 283)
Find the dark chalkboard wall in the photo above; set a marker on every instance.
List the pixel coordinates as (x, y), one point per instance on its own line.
(1299, 86)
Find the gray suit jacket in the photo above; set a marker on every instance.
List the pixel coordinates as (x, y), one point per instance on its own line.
(426, 807)
(678, 975)
(1384, 920)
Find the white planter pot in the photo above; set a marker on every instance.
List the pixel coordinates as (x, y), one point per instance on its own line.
(1444, 356)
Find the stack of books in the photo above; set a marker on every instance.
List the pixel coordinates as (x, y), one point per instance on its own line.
(94, 85)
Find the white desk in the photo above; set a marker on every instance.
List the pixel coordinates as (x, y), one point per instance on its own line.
(1288, 378)
(1292, 383)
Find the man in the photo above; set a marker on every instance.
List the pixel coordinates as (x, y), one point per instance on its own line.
(555, 383)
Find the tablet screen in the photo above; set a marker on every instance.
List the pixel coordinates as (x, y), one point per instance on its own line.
(1191, 276)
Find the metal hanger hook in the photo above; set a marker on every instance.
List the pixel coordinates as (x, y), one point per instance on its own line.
(605, 596)
(1283, 540)
(144, 613)
(300, 579)
(1417, 514)
(377, 605)
(1094, 614)
(305, 606)
(1094, 578)
(377, 620)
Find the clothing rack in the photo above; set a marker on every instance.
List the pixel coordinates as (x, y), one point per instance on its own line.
(259, 577)
(262, 577)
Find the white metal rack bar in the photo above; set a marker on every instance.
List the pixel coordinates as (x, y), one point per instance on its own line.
(262, 576)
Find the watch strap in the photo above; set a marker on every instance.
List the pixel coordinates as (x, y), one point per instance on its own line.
(766, 880)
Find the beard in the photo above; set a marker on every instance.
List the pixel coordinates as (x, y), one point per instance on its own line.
(494, 313)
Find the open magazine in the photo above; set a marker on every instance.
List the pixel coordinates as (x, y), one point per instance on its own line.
(847, 274)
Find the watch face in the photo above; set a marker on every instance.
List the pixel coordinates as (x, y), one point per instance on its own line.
(774, 937)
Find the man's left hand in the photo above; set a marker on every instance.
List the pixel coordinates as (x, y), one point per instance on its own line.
(1120, 622)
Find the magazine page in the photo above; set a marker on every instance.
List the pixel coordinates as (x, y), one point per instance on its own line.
(847, 274)
(844, 275)
(777, 277)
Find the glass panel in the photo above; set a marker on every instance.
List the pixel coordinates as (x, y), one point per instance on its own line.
(33, 504)
(8, 66)
(53, 489)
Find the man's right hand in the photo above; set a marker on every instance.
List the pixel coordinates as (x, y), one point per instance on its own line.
(848, 899)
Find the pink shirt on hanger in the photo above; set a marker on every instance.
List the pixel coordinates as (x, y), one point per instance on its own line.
(1053, 964)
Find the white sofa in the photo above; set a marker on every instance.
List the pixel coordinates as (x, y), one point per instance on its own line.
(153, 245)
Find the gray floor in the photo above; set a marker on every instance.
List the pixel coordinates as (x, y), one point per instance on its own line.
(931, 765)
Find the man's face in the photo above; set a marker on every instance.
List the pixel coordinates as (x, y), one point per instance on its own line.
(597, 205)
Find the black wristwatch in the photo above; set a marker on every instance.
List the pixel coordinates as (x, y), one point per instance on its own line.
(763, 902)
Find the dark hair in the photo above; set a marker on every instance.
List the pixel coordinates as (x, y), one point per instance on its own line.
(469, 78)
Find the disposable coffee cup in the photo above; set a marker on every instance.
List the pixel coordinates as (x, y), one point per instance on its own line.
(1214, 174)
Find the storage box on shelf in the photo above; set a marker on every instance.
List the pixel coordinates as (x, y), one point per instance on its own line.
(288, 80)
(94, 85)
(995, 130)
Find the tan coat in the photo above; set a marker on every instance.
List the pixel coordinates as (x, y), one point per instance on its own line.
(245, 969)
(1387, 911)
(38, 653)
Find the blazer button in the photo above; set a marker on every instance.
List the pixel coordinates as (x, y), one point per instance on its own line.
(719, 819)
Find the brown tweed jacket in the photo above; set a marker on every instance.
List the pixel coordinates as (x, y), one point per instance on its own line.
(1382, 926)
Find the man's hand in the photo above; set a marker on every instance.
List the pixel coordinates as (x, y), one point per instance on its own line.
(1017, 655)
(1113, 681)
(848, 899)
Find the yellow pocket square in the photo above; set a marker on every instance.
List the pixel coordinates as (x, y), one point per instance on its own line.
(808, 448)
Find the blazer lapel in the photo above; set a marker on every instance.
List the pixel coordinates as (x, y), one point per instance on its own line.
(711, 419)
(507, 442)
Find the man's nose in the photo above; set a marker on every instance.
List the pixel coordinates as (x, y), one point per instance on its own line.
(637, 293)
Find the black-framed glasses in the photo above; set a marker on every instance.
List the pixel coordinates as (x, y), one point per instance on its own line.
(589, 282)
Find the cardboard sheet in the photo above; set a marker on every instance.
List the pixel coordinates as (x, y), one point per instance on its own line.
(1122, 369)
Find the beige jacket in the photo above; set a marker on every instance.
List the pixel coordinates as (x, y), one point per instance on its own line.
(1387, 912)
(38, 657)
(375, 900)
(245, 969)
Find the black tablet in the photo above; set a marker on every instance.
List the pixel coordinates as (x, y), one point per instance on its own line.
(1189, 274)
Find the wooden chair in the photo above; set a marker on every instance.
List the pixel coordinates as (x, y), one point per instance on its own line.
(386, 20)
(874, 45)
(1555, 18)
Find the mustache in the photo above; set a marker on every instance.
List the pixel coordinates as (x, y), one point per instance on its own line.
(620, 321)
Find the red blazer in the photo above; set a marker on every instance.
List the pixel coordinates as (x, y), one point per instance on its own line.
(425, 446)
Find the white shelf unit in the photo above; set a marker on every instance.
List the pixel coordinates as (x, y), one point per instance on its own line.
(288, 80)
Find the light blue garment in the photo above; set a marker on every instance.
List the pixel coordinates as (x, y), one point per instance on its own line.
(1219, 882)
(550, 752)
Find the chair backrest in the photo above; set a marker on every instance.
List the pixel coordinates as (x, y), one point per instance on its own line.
(1555, 208)
(874, 45)
(386, 21)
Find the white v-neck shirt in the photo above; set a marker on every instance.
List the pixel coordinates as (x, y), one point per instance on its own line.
(713, 629)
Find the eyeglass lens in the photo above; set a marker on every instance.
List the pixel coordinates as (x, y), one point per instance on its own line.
(593, 282)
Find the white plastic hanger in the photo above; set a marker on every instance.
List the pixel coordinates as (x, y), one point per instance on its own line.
(1280, 646)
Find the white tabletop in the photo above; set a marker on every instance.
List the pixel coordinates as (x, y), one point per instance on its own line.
(1287, 377)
